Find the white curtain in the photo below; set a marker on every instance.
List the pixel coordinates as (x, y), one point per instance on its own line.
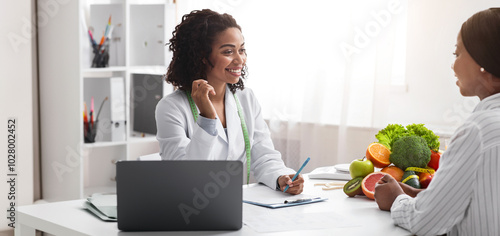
(321, 70)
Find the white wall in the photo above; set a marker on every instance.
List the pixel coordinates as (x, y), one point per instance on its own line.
(433, 97)
(17, 97)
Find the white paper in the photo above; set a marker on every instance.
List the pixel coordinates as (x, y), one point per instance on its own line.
(301, 217)
(263, 194)
(265, 220)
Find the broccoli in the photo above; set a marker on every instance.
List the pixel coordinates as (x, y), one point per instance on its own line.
(410, 151)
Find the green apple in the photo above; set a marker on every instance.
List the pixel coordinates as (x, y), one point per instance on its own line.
(361, 168)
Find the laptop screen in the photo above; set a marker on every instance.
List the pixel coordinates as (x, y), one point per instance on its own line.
(179, 195)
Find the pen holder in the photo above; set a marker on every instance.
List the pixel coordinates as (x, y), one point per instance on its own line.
(101, 55)
(89, 132)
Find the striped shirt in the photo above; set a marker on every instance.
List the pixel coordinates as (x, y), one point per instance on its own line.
(464, 195)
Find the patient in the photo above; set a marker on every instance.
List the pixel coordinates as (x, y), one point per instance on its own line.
(211, 115)
(463, 197)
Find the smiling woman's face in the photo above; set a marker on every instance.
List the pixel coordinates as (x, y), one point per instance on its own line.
(470, 79)
(228, 57)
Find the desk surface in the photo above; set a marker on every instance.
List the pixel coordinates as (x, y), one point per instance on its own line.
(70, 218)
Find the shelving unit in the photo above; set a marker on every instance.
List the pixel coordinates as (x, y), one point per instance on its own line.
(72, 169)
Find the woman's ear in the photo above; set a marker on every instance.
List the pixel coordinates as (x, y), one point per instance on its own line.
(204, 61)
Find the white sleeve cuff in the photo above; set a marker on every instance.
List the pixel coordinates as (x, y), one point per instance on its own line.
(399, 202)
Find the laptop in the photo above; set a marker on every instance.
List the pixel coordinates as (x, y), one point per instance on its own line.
(179, 195)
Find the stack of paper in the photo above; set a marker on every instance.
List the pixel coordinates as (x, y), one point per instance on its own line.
(102, 205)
(339, 172)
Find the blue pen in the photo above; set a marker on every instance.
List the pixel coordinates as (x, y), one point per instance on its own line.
(298, 172)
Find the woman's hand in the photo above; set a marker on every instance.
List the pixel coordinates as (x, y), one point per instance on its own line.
(296, 187)
(387, 190)
(200, 92)
(409, 190)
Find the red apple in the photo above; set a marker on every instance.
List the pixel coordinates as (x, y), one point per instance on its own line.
(425, 179)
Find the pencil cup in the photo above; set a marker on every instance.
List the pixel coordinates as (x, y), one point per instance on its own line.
(89, 132)
(101, 55)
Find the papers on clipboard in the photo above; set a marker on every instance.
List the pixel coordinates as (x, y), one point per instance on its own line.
(102, 205)
(263, 196)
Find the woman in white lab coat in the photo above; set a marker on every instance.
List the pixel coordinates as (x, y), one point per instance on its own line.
(201, 119)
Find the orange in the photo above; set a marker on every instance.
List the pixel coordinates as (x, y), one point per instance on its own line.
(378, 154)
(394, 171)
(368, 183)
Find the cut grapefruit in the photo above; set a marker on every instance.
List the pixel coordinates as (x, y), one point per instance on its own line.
(378, 154)
(368, 183)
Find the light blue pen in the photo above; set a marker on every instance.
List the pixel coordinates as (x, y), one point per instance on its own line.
(298, 172)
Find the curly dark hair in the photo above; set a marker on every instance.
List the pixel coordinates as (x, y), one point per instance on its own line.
(191, 43)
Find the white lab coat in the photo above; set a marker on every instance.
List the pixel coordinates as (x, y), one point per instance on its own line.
(181, 138)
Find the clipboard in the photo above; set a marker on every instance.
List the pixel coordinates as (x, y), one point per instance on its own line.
(261, 195)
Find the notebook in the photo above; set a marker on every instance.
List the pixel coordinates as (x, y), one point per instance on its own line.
(179, 195)
(102, 205)
(339, 172)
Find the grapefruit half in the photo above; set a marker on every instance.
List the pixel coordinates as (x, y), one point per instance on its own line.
(368, 183)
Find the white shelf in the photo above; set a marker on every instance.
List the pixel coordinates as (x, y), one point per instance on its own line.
(73, 169)
(104, 144)
(146, 139)
(154, 70)
(105, 69)
(149, 2)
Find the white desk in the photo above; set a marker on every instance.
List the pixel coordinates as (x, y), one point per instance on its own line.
(70, 218)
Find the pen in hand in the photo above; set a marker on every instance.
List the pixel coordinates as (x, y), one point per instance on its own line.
(298, 172)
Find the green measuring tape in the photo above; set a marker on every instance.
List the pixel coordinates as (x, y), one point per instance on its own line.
(193, 106)
(194, 110)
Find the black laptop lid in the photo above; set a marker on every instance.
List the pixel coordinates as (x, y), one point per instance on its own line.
(179, 195)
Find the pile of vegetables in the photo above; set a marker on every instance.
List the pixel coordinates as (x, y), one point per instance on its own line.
(410, 146)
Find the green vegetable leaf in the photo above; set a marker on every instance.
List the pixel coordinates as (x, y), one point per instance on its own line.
(429, 136)
(389, 134)
(392, 132)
